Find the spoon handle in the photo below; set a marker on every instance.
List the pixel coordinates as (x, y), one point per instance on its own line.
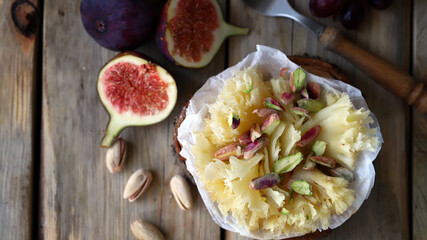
(386, 74)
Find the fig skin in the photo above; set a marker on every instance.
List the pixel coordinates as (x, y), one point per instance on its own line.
(161, 32)
(119, 25)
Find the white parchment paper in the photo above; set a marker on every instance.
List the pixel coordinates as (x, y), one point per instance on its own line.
(269, 61)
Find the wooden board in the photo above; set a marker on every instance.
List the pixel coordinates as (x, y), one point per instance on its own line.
(18, 77)
(391, 188)
(80, 199)
(419, 125)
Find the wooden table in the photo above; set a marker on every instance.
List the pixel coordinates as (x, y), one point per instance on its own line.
(53, 179)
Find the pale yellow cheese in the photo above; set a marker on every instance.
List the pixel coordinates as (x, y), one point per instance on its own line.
(227, 182)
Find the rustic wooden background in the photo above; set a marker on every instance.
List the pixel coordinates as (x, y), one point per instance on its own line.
(53, 179)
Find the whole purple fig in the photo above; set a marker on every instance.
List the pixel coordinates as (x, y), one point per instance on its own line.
(119, 25)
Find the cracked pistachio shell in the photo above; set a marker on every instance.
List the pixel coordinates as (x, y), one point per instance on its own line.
(137, 184)
(181, 192)
(145, 231)
(116, 155)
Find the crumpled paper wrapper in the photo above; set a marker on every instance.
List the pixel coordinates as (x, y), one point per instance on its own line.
(269, 61)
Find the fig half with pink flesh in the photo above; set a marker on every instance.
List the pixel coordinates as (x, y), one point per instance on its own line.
(190, 32)
(135, 92)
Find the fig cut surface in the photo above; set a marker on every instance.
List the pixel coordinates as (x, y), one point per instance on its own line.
(190, 32)
(135, 92)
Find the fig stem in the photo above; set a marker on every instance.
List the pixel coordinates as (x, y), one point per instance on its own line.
(231, 30)
(113, 129)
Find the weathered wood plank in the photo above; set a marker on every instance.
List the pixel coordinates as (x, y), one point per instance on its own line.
(386, 33)
(80, 199)
(275, 32)
(391, 189)
(18, 81)
(419, 125)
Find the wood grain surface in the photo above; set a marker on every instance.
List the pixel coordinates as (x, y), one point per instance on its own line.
(80, 199)
(18, 77)
(419, 125)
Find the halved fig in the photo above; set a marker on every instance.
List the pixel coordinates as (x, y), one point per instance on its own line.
(190, 32)
(135, 92)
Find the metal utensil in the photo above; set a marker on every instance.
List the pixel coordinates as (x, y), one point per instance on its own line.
(386, 74)
(282, 8)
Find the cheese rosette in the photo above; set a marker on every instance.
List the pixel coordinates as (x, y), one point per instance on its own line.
(350, 130)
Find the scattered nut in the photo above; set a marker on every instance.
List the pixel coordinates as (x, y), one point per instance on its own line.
(254, 147)
(319, 147)
(308, 164)
(312, 106)
(137, 184)
(304, 93)
(300, 111)
(145, 231)
(266, 181)
(301, 187)
(264, 112)
(226, 152)
(308, 136)
(273, 104)
(297, 80)
(181, 192)
(255, 132)
(234, 121)
(324, 161)
(270, 123)
(313, 90)
(116, 155)
(287, 163)
(287, 98)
